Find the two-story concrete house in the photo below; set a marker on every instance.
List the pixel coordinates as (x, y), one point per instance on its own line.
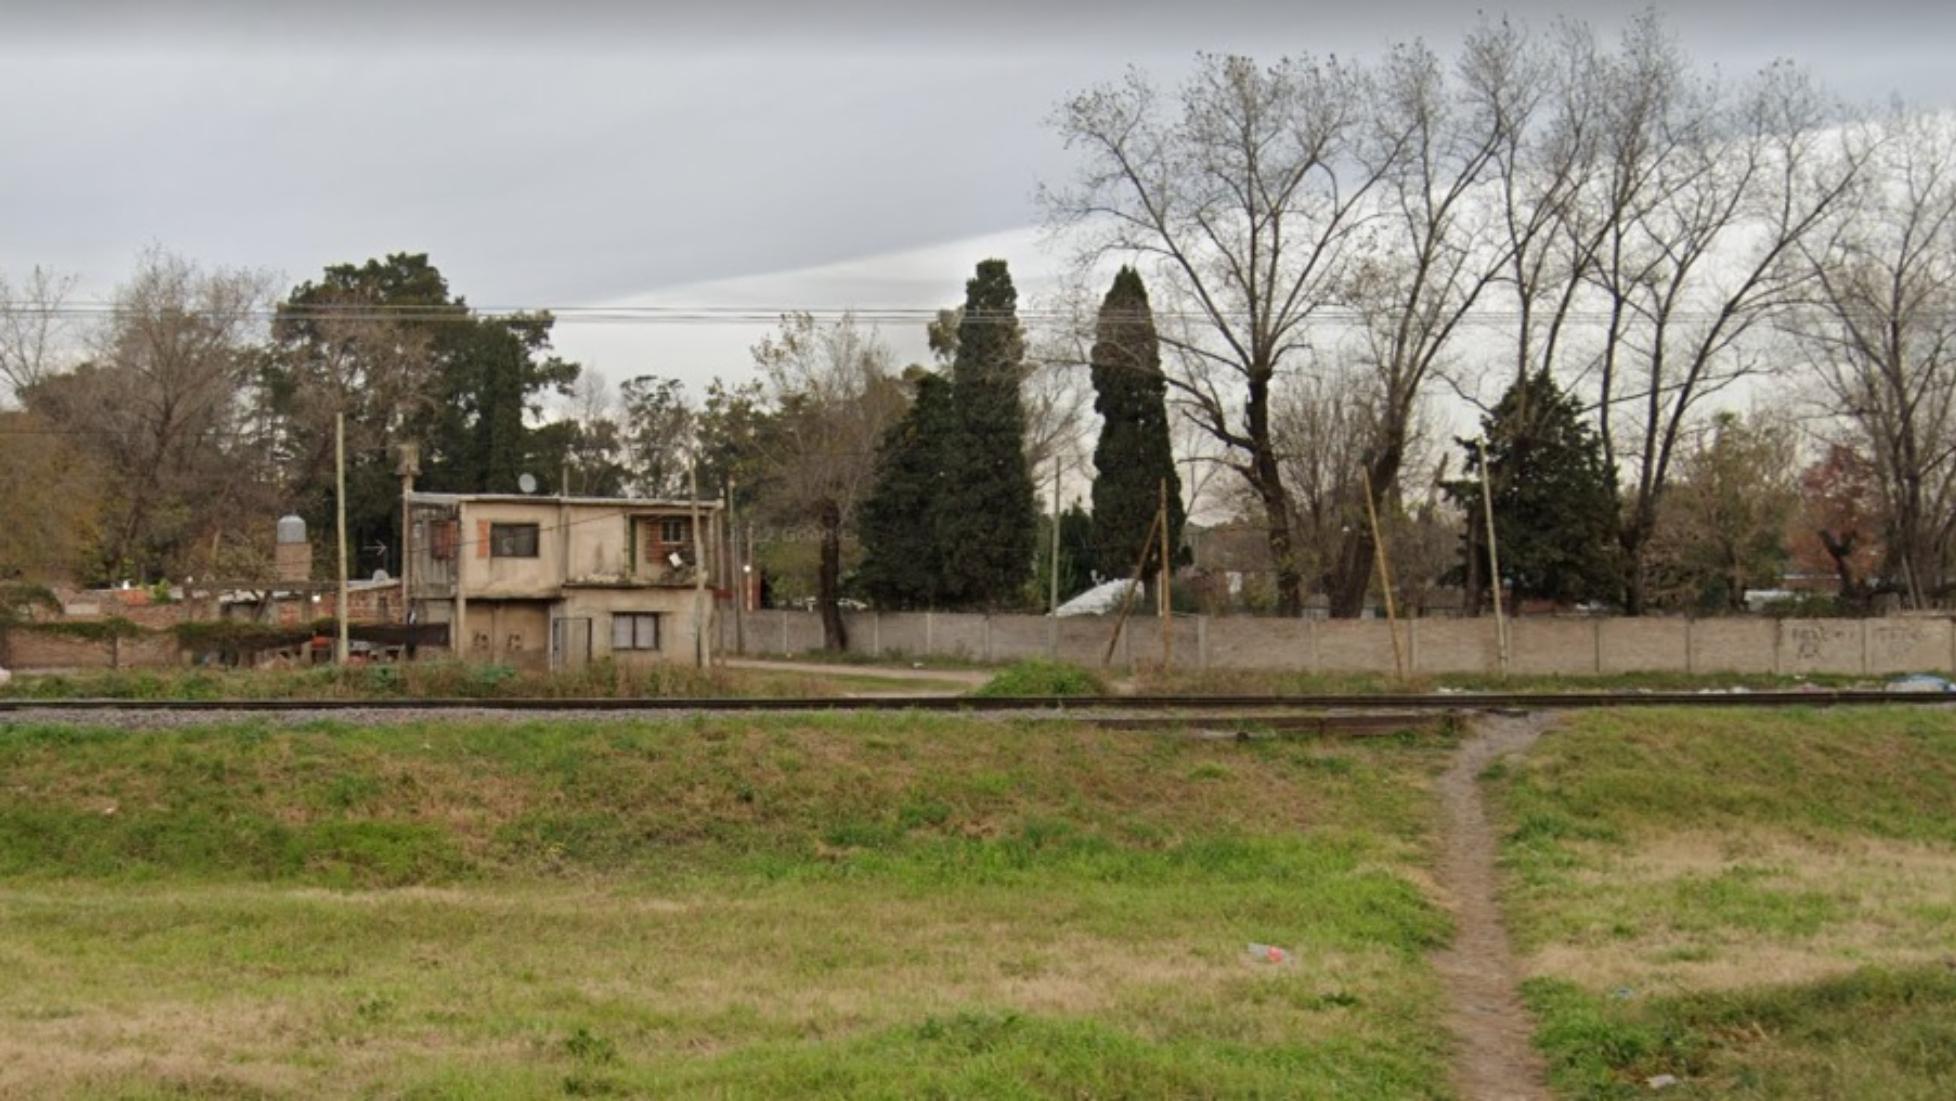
(552, 582)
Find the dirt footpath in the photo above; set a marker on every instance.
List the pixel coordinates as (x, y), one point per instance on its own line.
(1495, 1059)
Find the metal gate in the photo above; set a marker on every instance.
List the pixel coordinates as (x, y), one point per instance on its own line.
(570, 642)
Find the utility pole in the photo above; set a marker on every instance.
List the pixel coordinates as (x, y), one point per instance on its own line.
(1493, 560)
(736, 573)
(340, 644)
(410, 466)
(1052, 607)
(1166, 597)
(1385, 575)
(699, 567)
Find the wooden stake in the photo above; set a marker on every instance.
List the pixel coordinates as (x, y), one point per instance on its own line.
(1493, 561)
(340, 645)
(1052, 606)
(1165, 598)
(1127, 600)
(699, 567)
(1385, 575)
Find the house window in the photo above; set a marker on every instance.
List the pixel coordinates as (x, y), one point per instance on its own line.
(635, 630)
(442, 537)
(512, 540)
(673, 531)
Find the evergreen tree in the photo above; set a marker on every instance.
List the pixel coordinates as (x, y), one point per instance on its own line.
(984, 521)
(1555, 500)
(1134, 455)
(466, 403)
(901, 566)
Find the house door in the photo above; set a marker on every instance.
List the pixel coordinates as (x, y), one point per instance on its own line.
(570, 642)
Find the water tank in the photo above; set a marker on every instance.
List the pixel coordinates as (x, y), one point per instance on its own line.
(292, 558)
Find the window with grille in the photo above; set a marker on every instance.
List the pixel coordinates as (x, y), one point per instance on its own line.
(674, 530)
(635, 630)
(512, 540)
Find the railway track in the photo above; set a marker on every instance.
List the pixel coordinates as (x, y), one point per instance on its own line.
(1166, 705)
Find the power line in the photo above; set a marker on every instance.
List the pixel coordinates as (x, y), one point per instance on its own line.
(426, 314)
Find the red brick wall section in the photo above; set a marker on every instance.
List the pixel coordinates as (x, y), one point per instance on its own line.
(28, 650)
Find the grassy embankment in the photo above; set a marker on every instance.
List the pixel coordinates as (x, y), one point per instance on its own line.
(842, 906)
(456, 680)
(849, 677)
(1763, 905)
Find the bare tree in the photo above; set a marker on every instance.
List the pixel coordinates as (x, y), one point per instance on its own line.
(834, 397)
(53, 491)
(1880, 336)
(1706, 198)
(1542, 173)
(1248, 193)
(1320, 423)
(32, 329)
(1435, 249)
(163, 404)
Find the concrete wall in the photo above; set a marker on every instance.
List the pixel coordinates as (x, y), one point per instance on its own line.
(1546, 646)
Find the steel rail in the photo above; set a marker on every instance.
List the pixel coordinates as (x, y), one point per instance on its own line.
(1435, 701)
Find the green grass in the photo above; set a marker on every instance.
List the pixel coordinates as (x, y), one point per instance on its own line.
(1761, 904)
(844, 681)
(1043, 678)
(839, 907)
(450, 679)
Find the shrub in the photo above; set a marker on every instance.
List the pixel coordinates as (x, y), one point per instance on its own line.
(1044, 678)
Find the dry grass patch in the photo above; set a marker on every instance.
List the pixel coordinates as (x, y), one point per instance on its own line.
(1692, 890)
(887, 906)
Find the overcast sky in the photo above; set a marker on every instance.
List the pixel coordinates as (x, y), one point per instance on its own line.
(567, 153)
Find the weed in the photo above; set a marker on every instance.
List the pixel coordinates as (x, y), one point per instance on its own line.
(588, 1047)
(1044, 678)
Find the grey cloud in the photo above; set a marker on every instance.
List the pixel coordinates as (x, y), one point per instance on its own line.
(573, 151)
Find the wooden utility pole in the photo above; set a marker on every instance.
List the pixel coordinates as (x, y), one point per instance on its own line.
(699, 567)
(1385, 575)
(1493, 560)
(1052, 602)
(1164, 597)
(1127, 599)
(410, 465)
(736, 573)
(340, 643)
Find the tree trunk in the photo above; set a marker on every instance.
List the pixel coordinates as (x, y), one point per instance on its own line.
(1473, 585)
(1633, 541)
(1266, 478)
(1841, 550)
(828, 586)
(1357, 560)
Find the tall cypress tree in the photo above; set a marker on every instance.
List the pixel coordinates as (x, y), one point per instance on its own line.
(901, 567)
(985, 521)
(1133, 456)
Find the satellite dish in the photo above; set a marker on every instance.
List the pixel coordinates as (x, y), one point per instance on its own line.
(526, 482)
